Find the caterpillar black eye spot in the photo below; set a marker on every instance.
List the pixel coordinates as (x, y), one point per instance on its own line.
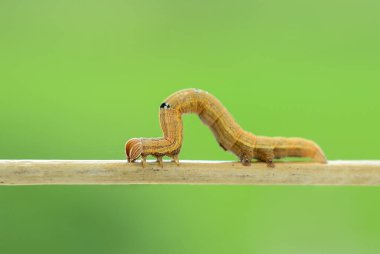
(165, 105)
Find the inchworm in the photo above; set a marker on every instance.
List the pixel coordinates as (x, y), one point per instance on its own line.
(230, 136)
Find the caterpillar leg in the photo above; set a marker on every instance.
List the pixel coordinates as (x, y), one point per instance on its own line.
(159, 160)
(245, 160)
(143, 160)
(175, 159)
(266, 155)
(270, 163)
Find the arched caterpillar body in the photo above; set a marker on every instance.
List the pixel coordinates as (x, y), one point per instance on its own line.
(230, 136)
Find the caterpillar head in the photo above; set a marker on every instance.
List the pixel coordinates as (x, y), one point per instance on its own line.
(165, 105)
(133, 149)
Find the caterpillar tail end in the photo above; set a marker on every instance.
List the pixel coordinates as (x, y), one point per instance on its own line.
(133, 149)
(319, 156)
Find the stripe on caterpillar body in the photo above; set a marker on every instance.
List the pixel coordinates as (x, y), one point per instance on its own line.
(230, 136)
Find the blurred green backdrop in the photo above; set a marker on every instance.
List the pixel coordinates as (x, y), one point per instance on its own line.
(79, 78)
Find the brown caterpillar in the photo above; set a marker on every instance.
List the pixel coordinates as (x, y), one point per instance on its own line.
(230, 136)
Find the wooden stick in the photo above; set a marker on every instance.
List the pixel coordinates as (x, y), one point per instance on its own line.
(30, 172)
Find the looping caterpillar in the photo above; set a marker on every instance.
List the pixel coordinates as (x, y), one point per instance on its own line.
(230, 136)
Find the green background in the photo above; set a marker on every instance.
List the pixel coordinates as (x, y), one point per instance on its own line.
(79, 78)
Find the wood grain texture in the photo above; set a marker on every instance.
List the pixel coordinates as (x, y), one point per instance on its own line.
(32, 172)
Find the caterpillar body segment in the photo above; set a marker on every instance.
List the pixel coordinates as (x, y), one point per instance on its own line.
(168, 145)
(230, 136)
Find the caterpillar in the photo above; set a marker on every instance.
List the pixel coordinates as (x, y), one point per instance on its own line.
(230, 136)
